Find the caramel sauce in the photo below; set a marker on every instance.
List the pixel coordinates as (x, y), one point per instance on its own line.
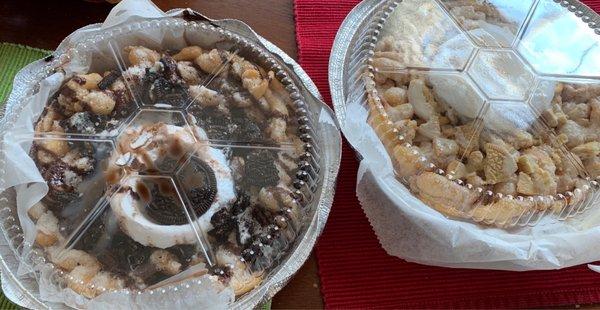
(166, 188)
(113, 176)
(176, 148)
(147, 160)
(143, 191)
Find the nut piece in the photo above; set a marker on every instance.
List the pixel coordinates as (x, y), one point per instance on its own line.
(56, 147)
(188, 53)
(406, 128)
(79, 279)
(420, 98)
(47, 229)
(475, 161)
(502, 212)
(540, 182)
(506, 188)
(467, 137)
(588, 150)
(188, 72)
(206, 97)
(90, 80)
(443, 194)
(395, 96)
(574, 133)
(457, 169)
(550, 118)
(253, 82)
(101, 282)
(431, 129)
(142, 56)
(165, 262)
(100, 102)
(444, 147)
(277, 129)
(276, 103)
(69, 259)
(406, 160)
(527, 163)
(36, 211)
(209, 62)
(243, 281)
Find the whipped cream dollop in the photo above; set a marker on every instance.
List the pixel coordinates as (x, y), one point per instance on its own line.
(140, 149)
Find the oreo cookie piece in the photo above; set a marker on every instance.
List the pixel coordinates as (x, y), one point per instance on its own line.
(246, 229)
(241, 203)
(260, 169)
(96, 235)
(185, 252)
(57, 199)
(217, 125)
(165, 91)
(125, 254)
(247, 131)
(164, 209)
(223, 224)
(169, 67)
(80, 122)
(108, 80)
(204, 193)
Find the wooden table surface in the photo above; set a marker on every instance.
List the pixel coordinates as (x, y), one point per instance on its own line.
(44, 24)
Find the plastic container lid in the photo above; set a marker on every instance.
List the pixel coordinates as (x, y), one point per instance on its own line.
(489, 110)
(168, 162)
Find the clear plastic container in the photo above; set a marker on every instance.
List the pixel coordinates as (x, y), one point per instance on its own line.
(488, 110)
(182, 161)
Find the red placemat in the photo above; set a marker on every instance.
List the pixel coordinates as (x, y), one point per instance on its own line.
(357, 273)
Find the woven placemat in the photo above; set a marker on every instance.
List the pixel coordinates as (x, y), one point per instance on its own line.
(13, 57)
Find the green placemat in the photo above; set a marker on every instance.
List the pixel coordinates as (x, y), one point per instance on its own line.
(13, 57)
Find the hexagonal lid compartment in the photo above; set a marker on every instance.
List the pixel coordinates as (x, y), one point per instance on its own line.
(489, 109)
(166, 163)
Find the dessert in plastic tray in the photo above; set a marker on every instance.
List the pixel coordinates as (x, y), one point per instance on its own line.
(489, 110)
(170, 164)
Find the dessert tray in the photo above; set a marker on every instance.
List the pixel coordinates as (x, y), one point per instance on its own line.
(483, 115)
(478, 124)
(163, 160)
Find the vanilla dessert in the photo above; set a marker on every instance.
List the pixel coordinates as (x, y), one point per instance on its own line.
(471, 128)
(187, 163)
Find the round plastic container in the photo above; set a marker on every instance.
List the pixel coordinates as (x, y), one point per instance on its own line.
(488, 110)
(164, 163)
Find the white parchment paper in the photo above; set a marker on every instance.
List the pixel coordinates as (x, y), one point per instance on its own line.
(409, 229)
